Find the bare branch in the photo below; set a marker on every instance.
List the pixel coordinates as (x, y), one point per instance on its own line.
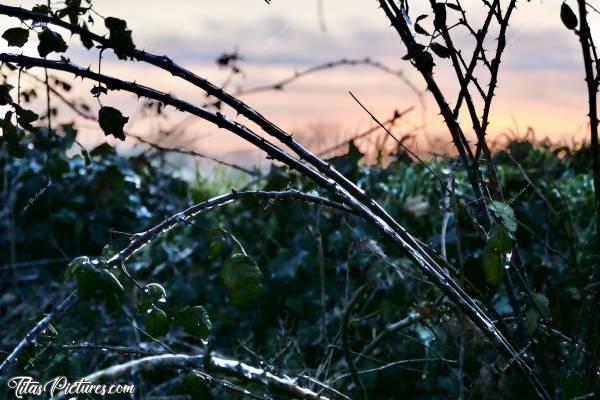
(36, 330)
(282, 385)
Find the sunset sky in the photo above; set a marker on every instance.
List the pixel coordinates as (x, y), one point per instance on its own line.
(541, 81)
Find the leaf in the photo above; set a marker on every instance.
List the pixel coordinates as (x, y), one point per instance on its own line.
(16, 37)
(107, 251)
(243, 279)
(568, 17)
(541, 307)
(26, 118)
(112, 122)
(74, 267)
(505, 214)
(421, 17)
(440, 50)
(542, 303)
(10, 135)
(196, 387)
(153, 293)
(532, 319)
(500, 239)
(492, 266)
(439, 21)
(97, 90)
(41, 8)
(195, 321)
(5, 97)
(120, 37)
(157, 292)
(85, 40)
(424, 62)
(420, 30)
(50, 41)
(87, 280)
(156, 322)
(414, 50)
(108, 283)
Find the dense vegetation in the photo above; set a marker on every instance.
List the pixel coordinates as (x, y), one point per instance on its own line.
(315, 262)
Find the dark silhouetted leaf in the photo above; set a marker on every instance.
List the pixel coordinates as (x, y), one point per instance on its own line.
(440, 50)
(16, 37)
(120, 37)
(50, 41)
(568, 17)
(41, 8)
(112, 122)
(424, 62)
(98, 90)
(85, 40)
(26, 118)
(12, 137)
(5, 97)
(439, 21)
(420, 30)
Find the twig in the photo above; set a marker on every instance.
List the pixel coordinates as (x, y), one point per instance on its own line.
(36, 330)
(362, 392)
(283, 385)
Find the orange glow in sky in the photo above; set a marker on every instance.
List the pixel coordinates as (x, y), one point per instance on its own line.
(541, 81)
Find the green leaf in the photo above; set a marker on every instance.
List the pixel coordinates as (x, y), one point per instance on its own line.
(195, 321)
(157, 292)
(493, 267)
(16, 37)
(107, 253)
(120, 37)
(156, 322)
(153, 293)
(50, 41)
(196, 387)
(5, 97)
(243, 279)
(108, 283)
(87, 281)
(112, 122)
(542, 303)
(74, 266)
(500, 240)
(505, 214)
(568, 17)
